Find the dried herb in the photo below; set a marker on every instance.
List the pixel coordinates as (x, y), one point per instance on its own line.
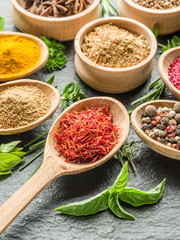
(56, 8)
(129, 152)
(1, 23)
(87, 135)
(157, 86)
(108, 9)
(173, 42)
(71, 94)
(10, 156)
(57, 58)
(113, 197)
(111, 46)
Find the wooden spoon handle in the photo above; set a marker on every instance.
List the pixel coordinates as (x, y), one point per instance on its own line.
(20, 199)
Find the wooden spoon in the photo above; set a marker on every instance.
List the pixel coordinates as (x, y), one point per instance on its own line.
(44, 56)
(153, 144)
(54, 166)
(50, 91)
(163, 64)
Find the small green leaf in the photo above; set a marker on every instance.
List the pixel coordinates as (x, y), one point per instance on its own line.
(51, 80)
(1, 23)
(155, 30)
(117, 209)
(121, 180)
(87, 207)
(137, 198)
(8, 161)
(8, 147)
(5, 173)
(19, 154)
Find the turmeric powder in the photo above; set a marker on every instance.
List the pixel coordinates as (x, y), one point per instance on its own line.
(17, 55)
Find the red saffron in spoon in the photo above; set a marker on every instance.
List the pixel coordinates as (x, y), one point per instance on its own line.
(86, 136)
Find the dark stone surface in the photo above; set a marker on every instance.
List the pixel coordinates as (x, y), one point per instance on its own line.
(39, 221)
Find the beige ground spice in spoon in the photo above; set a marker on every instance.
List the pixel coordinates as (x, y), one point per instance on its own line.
(22, 105)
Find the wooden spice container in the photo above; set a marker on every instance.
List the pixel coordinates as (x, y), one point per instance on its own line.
(163, 64)
(166, 20)
(114, 80)
(62, 29)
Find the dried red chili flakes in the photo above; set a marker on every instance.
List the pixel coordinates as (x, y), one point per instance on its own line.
(87, 136)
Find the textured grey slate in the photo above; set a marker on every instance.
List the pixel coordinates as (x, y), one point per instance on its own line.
(39, 222)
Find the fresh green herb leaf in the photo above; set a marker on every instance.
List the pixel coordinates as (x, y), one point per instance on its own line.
(1, 23)
(87, 207)
(117, 209)
(155, 30)
(51, 80)
(137, 198)
(8, 161)
(35, 139)
(121, 180)
(129, 152)
(5, 173)
(36, 146)
(8, 147)
(157, 86)
(173, 42)
(71, 94)
(108, 9)
(31, 160)
(57, 58)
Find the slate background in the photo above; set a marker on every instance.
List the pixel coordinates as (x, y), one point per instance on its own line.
(39, 221)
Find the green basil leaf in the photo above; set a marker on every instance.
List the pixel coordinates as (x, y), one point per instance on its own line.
(87, 207)
(1, 23)
(8, 147)
(5, 172)
(155, 30)
(137, 198)
(121, 180)
(19, 154)
(117, 209)
(8, 161)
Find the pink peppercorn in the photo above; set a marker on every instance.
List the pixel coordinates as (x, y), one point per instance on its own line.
(174, 73)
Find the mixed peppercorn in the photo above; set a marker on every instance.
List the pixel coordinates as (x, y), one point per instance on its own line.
(163, 124)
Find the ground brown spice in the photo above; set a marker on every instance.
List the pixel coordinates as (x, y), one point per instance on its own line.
(114, 47)
(22, 105)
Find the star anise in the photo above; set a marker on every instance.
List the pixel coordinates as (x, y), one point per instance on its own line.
(55, 8)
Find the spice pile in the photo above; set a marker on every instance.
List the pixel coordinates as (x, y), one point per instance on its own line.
(158, 4)
(17, 55)
(86, 136)
(174, 73)
(22, 105)
(114, 47)
(55, 8)
(163, 124)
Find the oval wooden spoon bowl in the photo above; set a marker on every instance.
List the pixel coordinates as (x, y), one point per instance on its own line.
(163, 64)
(153, 144)
(54, 166)
(50, 92)
(43, 59)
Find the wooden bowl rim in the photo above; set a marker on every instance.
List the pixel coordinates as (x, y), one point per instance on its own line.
(133, 116)
(152, 11)
(44, 55)
(42, 119)
(97, 22)
(161, 60)
(94, 4)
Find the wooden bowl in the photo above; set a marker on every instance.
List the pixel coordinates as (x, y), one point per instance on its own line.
(62, 29)
(44, 56)
(153, 144)
(114, 80)
(164, 61)
(50, 91)
(166, 20)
